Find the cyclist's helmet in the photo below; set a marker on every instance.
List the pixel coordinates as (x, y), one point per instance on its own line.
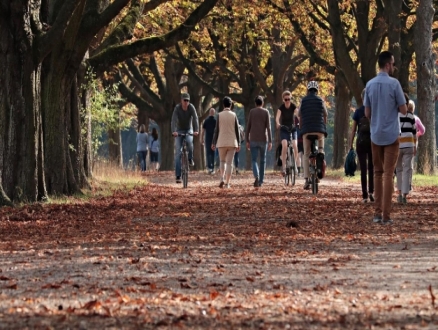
(312, 85)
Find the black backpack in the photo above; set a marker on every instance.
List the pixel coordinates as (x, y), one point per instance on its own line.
(364, 132)
(350, 163)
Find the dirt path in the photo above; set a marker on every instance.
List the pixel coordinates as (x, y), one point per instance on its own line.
(207, 258)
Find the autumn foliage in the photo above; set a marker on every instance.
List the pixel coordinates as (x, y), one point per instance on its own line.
(203, 257)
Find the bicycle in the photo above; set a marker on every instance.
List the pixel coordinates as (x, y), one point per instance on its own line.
(315, 172)
(291, 171)
(184, 160)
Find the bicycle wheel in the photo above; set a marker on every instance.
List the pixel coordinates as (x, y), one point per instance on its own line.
(184, 168)
(286, 177)
(292, 170)
(314, 183)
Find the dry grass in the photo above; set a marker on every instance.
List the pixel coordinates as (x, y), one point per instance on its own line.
(112, 177)
(107, 178)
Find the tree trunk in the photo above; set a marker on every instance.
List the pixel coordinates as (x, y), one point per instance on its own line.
(342, 113)
(426, 86)
(19, 106)
(77, 150)
(248, 165)
(55, 139)
(167, 145)
(393, 9)
(86, 127)
(115, 147)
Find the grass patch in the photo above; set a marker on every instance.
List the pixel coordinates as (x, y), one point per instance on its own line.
(107, 178)
(421, 180)
(339, 174)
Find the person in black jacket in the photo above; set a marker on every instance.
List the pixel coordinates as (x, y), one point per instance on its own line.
(313, 119)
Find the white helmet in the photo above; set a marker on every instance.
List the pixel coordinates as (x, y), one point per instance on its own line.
(312, 84)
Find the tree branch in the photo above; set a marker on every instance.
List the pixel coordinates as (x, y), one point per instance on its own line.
(44, 43)
(140, 103)
(118, 53)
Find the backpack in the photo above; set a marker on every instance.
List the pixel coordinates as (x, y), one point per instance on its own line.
(364, 132)
(242, 133)
(350, 163)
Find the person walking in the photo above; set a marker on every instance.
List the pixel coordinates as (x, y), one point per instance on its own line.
(407, 151)
(300, 147)
(242, 138)
(258, 139)
(285, 121)
(361, 126)
(420, 131)
(384, 99)
(226, 139)
(207, 138)
(154, 147)
(312, 115)
(184, 121)
(142, 146)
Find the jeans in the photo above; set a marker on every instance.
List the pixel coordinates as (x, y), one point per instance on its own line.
(384, 160)
(209, 153)
(178, 145)
(142, 157)
(404, 169)
(366, 164)
(236, 160)
(256, 149)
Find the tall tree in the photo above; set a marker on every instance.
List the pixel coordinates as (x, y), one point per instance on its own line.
(41, 106)
(158, 93)
(426, 85)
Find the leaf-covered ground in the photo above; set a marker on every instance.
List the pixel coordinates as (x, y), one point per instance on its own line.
(273, 257)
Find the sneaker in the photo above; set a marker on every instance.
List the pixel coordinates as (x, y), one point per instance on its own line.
(400, 199)
(237, 171)
(371, 196)
(404, 201)
(228, 186)
(306, 184)
(387, 222)
(191, 162)
(221, 185)
(365, 200)
(377, 219)
(283, 173)
(256, 183)
(178, 179)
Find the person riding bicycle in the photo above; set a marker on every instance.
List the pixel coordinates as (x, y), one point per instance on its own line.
(184, 120)
(285, 122)
(313, 119)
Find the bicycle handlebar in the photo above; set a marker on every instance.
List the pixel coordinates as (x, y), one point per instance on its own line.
(287, 128)
(185, 134)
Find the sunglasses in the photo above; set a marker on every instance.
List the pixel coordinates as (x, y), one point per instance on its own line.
(285, 100)
(186, 100)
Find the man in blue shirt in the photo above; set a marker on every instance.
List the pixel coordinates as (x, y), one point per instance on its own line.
(207, 138)
(384, 99)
